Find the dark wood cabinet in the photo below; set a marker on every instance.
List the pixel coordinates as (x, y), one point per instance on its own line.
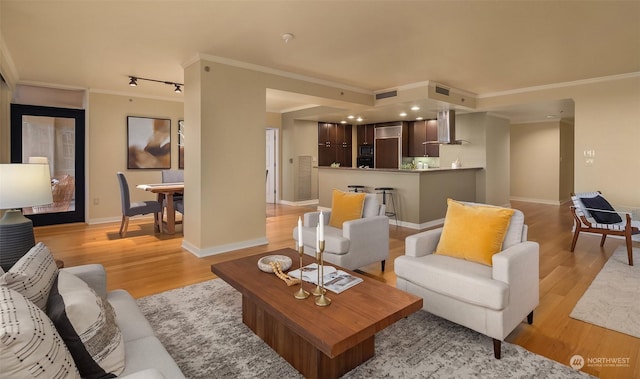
(366, 134)
(421, 132)
(334, 144)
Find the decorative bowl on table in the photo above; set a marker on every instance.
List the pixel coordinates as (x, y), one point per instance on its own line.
(264, 263)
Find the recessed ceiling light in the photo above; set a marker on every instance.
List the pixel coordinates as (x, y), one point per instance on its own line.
(415, 108)
(350, 117)
(551, 116)
(418, 118)
(343, 122)
(359, 119)
(403, 114)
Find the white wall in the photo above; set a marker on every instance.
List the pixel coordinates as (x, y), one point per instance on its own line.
(606, 120)
(535, 162)
(106, 150)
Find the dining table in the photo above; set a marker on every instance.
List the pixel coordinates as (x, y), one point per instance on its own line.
(165, 193)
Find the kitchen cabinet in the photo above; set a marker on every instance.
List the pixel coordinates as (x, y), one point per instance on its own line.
(334, 144)
(421, 132)
(366, 134)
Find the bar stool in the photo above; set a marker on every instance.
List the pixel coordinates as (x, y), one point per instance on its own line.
(388, 191)
(355, 187)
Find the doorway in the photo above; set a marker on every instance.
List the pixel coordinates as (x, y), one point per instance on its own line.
(271, 166)
(54, 136)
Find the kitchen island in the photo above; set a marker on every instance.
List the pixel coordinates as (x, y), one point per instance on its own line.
(420, 195)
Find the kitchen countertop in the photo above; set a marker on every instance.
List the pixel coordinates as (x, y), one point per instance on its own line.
(430, 169)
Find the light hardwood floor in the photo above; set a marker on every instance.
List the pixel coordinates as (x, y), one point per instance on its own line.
(145, 263)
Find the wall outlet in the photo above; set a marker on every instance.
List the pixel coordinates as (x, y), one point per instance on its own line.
(96, 201)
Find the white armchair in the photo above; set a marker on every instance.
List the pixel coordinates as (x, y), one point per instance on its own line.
(491, 300)
(359, 243)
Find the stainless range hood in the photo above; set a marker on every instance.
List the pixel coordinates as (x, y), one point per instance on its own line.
(446, 128)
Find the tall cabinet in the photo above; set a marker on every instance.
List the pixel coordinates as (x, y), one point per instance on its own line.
(334, 144)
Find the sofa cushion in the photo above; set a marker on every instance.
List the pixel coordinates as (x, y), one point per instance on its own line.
(33, 275)
(131, 321)
(87, 324)
(148, 352)
(599, 202)
(345, 206)
(473, 232)
(456, 278)
(30, 345)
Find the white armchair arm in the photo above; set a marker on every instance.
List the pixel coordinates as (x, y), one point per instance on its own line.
(368, 231)
(519, 267)
(368, 240)
(422, 244)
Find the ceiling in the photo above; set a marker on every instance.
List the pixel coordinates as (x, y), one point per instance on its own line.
(476, 46)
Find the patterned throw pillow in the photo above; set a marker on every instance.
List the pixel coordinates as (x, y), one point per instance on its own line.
(87, 324)
(30, 346)
(33, 275)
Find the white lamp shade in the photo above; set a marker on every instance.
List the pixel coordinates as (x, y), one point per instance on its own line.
(24, 185)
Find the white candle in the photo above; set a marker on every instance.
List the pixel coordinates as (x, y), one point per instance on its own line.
(321, 226)
(299, 232)
(318, 238)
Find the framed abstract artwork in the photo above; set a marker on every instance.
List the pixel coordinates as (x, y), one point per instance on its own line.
(148, 143)
(181, 144)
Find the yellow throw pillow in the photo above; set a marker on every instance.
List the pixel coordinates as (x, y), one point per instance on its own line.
(473, 232)
(345, 206)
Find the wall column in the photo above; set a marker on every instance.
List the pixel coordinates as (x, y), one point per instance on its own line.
(224, 158)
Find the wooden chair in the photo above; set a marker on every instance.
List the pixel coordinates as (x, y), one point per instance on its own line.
(584, 222)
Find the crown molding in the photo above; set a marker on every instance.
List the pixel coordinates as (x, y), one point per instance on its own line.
(122, 93)
(600, 79)
(7, 67)
(273, 71)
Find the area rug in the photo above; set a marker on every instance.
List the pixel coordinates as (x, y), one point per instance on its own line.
(611, 301)
(201, 327)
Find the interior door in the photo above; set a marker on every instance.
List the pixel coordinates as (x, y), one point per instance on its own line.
(56, 134)
(386, 153)
(271, 166)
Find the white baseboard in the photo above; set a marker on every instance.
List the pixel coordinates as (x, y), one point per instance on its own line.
(200, 253)
(304, 203)
(412, 225)
(539, 201)
(106, 220)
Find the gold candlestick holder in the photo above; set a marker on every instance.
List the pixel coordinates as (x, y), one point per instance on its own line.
(321, 300)
(318, 290)
(301, 293)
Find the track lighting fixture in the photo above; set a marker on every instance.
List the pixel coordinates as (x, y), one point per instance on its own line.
(133, 82)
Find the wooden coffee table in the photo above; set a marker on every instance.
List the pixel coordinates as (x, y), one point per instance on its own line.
(320, 342)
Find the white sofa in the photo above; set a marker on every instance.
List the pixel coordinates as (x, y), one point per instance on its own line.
(359, 243)
(56, 326)
(490, 300)
(145, 357)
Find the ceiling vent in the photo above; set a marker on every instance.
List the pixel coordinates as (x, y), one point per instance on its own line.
(385, 95)
(442, 90)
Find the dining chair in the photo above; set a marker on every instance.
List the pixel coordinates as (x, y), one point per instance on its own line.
(130, 209)
(175, 176)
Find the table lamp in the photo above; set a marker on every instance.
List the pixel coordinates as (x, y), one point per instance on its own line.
(21, 185)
